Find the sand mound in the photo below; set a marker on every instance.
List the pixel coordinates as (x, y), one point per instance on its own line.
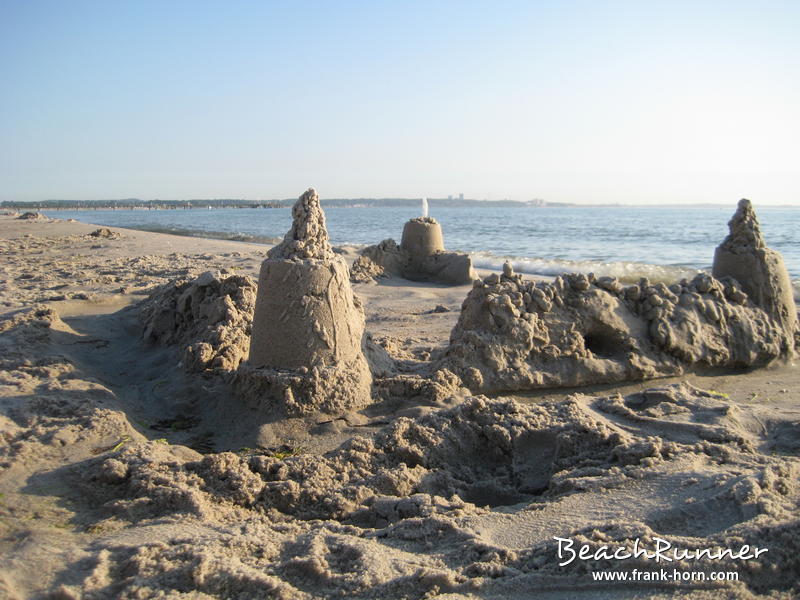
(438, 389)
(364, 270)
(401, 515)
(32, 216)
(208, 317)
(105, 232)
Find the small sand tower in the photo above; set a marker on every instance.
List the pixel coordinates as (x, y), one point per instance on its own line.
(422, 237)
(306, 344)
(761, 272)
(424, 255)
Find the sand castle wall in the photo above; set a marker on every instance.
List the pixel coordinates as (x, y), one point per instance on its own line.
(306, 351)
(514, 334)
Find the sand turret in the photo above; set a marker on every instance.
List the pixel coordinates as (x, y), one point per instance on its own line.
(422, 238)
(306, 346)
(761, 272)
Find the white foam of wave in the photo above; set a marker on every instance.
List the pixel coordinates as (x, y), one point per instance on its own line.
(628, 272)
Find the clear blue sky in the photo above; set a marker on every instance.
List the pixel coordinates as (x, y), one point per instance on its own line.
(635, 102)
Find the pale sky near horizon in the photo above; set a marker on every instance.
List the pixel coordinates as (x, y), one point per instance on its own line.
(588, 102)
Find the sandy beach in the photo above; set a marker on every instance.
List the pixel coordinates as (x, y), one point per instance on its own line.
(133, 464)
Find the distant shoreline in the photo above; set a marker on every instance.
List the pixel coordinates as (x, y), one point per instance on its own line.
(136, 204)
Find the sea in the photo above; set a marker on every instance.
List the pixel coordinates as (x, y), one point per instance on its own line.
(663, 244)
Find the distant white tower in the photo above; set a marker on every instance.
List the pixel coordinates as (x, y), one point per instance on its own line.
(424, 207)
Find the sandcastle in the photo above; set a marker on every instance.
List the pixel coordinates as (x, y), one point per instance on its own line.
(308, 352)
(516, 334)
(421, 256)
(306, 349)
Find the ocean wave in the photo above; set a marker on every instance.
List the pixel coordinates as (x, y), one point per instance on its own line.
(628, 272)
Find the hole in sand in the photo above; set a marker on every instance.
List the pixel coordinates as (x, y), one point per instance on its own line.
(528, 474)
(604, 341)
(534, 455)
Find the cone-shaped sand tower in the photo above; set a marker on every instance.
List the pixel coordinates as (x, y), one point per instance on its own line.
(306, 345)
(761, 272)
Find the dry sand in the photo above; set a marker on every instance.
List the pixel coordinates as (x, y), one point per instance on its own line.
(130, 468)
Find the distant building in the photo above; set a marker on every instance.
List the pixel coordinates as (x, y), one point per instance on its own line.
(450, 197)
(461, 196)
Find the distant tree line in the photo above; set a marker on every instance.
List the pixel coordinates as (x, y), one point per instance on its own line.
(131, 203)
